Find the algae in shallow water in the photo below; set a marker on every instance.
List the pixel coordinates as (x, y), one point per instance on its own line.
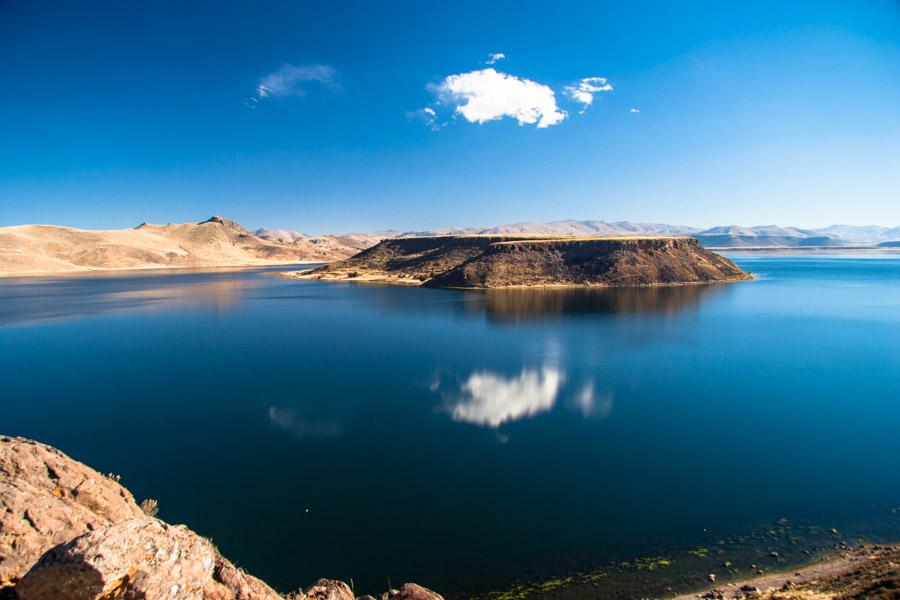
(729, 558)
(653, 563)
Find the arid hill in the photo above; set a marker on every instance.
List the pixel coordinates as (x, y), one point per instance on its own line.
(532, 261)
(216, 242)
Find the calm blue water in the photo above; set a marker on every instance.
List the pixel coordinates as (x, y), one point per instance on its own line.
(466, 440)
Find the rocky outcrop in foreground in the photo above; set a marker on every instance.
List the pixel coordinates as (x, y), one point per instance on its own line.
(46, 498)
(69, 533)
(523, 261)
(144, 557)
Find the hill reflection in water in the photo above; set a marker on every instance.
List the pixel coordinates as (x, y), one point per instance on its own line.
(515, 305)
(526, 304)
(29, 300)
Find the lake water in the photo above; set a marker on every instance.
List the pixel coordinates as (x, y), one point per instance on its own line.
(478, 442)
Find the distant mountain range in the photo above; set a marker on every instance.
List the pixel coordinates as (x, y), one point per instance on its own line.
(730, 236)
(217, 242)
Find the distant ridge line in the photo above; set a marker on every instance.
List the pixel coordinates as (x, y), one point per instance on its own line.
(722, 236)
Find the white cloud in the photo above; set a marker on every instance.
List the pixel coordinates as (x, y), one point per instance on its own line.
(493, 57)
(487, 95)
(583, 91)
(489, 399)
(634, 111)
(291, 80)
(426, 115)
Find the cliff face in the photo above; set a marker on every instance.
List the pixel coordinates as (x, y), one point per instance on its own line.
(521, 261)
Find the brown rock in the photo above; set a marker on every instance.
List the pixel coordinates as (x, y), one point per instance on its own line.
(139, 559)
(329, 589)
(411, 591)
(46, 498)
(235, 584)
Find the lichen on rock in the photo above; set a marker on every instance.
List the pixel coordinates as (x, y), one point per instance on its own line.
(46, 498)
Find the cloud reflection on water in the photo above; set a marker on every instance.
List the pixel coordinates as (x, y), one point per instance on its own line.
(591, 404)
(490, 399)
(302, 425)
(28, 300)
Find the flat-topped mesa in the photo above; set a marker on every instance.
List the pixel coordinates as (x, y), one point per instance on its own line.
(533, 261)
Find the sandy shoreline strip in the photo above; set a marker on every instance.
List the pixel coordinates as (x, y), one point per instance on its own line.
(865, 571)
(155, 270)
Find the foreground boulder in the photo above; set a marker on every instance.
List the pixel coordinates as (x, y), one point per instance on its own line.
(140, 558)
(327, 589)
(46, 498)
(411, 591)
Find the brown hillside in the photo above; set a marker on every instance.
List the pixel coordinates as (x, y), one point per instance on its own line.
(217, 242)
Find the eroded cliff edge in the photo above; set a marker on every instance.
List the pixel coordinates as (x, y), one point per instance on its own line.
(69, 533)
(532, 261)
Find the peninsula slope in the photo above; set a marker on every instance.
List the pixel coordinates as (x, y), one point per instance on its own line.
(495, 261)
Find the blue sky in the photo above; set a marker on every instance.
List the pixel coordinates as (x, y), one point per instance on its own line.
(310, 116)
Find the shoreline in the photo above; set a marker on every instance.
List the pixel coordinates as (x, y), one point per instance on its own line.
(847, 572)
(761, 559)
(805, 249)
(154, 270)
(411, 282)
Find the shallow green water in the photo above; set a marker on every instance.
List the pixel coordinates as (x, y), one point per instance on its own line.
(465, 440)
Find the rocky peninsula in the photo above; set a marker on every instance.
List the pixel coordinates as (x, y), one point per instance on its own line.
(504, 261)
(69, 533)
